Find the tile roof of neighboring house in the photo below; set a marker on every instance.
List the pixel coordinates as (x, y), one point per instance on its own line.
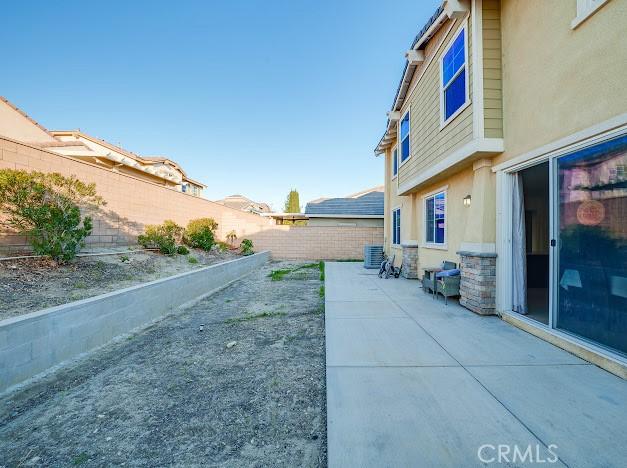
(419, 42)
(142, 160)
(366, 203)
(240, 202)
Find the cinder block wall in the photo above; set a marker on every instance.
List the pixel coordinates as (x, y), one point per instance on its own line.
(132, 203)
(316, 242)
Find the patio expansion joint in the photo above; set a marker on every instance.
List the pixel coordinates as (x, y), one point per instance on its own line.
(509, 410)
(391, 366)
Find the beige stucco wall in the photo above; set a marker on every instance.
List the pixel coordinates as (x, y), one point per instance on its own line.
(457, 187)
(558, 80)
(428, 143)
(15, 125)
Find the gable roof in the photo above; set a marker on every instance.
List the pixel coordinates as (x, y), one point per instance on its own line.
(448, 9)
(147, 163)
(363, 204)
(242, 203)
(18, 125)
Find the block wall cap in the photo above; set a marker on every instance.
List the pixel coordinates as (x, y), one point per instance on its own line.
(465, 253)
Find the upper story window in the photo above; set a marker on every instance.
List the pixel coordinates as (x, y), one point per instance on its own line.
(183, 188)
(454, 71)
(586, 8)
(404, 137)
(394, 162)
(396, 226)
(435, 219)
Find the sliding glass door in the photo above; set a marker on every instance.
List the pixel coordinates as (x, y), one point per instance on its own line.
(590, 253)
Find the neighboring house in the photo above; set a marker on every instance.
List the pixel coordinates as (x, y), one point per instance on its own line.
(359, 209)
(17, 125)
(157, 169)
(240, 202)
(506, 153)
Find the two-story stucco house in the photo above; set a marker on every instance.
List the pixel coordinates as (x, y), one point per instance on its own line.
(506, 153)
(17, 125)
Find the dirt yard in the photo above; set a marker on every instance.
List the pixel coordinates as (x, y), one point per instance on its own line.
(29, 285)
(247, 390)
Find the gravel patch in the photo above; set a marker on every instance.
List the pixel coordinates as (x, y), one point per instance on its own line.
(28, 285)
(238, 379)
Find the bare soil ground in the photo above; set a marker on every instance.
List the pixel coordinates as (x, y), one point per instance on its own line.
(175, 395)
(29, 285)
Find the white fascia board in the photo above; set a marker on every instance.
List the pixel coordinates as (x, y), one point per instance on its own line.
(479, 145)
(345, 216)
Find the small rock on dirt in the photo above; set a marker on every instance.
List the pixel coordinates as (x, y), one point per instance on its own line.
(230, 344)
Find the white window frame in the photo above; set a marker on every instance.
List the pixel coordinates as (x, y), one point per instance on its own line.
(433, 194)
(395, 149)
(400, 142)
(463, 29)
(585, 9)
(394, 210)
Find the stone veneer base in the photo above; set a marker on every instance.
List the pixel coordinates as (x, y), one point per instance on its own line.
(478, 282)
(410, 261)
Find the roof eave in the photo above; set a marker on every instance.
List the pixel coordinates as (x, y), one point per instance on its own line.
(445, 11)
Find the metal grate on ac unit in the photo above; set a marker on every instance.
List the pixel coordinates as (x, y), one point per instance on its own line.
(373, 256)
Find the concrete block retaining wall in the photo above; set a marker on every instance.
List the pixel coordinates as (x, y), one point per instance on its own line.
(32, 343)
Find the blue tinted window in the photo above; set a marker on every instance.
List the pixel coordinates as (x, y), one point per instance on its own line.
(396, 226)
(405, 137)
(430, 219)
(435, 218)
(395, 161)
(405, 126)
(455, 95)
(453, 59)
(454, 76)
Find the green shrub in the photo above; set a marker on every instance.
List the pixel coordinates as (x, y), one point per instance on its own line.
(162, 236)
(200, 233)
(192, 260)
(182, 250)
(222, 246)
(246, 247)
(47, 209)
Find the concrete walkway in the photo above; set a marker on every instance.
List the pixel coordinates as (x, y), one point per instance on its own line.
(412, 382)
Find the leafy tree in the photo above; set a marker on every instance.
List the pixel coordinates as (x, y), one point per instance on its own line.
(292, 203)
(47, 209)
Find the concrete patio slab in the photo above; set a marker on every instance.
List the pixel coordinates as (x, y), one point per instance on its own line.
(382, 342)
(432, 387)
(477, 341)
(363, 309)
(581, 409)
(402, 417)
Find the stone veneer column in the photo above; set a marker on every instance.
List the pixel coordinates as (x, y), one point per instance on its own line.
(478, 282)
(410, 259)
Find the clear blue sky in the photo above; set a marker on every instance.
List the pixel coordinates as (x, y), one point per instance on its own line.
(251, 97)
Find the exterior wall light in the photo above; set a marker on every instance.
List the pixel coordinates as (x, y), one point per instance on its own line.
(467, 199)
